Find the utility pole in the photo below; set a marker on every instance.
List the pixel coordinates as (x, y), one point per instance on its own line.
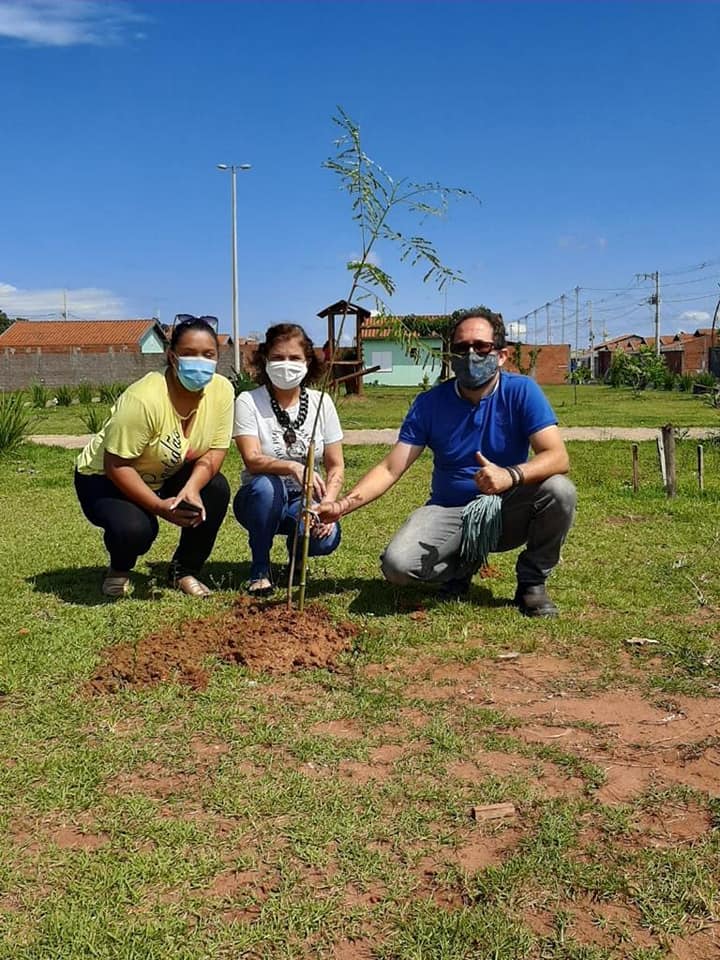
(654, 299)
(536, 326)
(577, 325)
(562, 318)
(547, 323)
(65, 314)
(712, 337)
(233, 168)
(591, 339)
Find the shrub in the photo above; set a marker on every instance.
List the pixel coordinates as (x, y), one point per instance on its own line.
(669, 380)
(637, 370)
(95, 416)
(64, 396)
(685, 382)
(39, 395)
(85, 393)
(15, 419)
(705, 379)
(581, 373)
(109, 392)
(241, 381)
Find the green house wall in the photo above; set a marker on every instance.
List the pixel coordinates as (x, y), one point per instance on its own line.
(150, 342)
(404, 370)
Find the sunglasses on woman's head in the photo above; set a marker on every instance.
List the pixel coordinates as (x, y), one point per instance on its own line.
(182, 318)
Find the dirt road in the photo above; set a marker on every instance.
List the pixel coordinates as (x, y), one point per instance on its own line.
(389, 436)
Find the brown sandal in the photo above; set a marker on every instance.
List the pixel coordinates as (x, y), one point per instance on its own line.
(192, 586)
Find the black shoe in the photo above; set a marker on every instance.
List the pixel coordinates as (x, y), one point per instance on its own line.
(455, 589)
(282, 575)
(533, 601)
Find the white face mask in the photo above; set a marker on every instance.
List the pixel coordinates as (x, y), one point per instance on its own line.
(286, 374)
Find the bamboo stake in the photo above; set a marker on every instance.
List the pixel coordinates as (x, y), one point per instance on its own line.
(635, 469)
(291, 570)
(701, 467)
(307, 506)
(669, 446)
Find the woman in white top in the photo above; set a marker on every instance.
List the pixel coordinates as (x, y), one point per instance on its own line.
(272, 430)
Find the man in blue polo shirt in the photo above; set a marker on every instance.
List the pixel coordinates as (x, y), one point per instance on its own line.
(480, 427)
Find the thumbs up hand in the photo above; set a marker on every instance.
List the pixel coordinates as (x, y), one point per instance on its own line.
(491, 478)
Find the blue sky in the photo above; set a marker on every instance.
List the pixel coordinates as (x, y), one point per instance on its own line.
(590, 132)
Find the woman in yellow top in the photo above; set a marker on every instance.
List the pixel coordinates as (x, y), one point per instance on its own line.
(159, 455)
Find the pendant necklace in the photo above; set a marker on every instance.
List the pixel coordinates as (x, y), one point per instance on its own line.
(283, 418)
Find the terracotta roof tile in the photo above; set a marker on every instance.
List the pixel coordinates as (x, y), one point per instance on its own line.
(74, 333)
(379, 328)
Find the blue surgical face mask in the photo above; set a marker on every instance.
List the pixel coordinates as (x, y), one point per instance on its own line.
(474, 370)
(195, 373)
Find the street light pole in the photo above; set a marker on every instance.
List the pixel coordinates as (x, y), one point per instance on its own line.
(233, 168)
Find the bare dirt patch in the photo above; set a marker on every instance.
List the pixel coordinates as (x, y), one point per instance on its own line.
(153, 780)
(700, 945)
(263, 637)
(354, 949)
(485, 850)
(342, 729)
(379, 768)
(559, 703)
(622, 519)
(35, 837)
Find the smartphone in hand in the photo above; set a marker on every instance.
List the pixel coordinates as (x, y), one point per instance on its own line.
(188, 507)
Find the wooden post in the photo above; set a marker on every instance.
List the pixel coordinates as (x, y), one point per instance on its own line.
(669, 445)
(635, 469)
(701, 467)
(661, 458)
(359, 348)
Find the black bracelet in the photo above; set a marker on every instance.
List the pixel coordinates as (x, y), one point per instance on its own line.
(520, 474)
(514, 476)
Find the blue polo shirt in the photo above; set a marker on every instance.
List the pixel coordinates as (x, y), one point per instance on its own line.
(499, 427)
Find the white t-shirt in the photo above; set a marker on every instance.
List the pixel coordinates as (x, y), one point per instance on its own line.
(254, 417)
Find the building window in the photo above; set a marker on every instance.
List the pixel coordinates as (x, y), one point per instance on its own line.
(383, 359)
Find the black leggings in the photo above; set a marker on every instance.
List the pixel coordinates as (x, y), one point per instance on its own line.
(130, 530)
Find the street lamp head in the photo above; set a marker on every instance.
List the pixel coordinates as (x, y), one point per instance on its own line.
(233, 166)
(245, 166)
(222, 166)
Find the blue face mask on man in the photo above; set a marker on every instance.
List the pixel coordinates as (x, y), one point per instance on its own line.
(473, 370)
(195, 373)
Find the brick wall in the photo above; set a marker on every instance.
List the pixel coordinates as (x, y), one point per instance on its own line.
(695, 354)
(55, 369)
(553, 361)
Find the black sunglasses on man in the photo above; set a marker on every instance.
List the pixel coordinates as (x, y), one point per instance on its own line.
(463, 347)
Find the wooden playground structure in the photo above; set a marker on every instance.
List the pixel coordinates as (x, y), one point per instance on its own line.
(347, 362)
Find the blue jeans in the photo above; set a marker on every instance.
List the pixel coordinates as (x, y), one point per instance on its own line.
(265, 509)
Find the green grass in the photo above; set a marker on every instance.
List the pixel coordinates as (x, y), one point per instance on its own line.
(586, 406)
(272, 849)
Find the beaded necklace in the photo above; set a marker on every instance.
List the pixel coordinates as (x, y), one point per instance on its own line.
(283, 418)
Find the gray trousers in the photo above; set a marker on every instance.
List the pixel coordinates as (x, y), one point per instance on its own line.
(427, 546)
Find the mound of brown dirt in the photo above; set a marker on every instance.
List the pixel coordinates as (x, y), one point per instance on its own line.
(264, 637)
